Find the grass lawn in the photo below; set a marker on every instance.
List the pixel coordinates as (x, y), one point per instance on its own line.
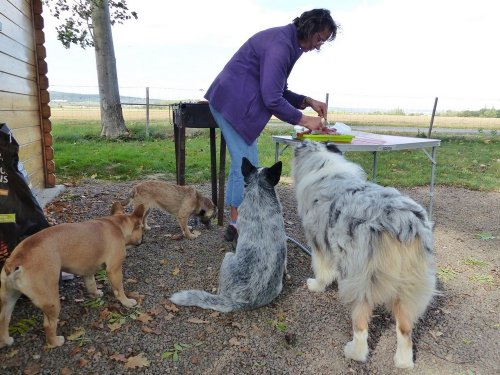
(472, 162)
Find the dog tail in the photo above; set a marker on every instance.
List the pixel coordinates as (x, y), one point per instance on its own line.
(12, 270)
(395, 270)
(205, 300)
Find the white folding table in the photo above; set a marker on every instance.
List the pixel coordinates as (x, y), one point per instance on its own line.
(375, 143)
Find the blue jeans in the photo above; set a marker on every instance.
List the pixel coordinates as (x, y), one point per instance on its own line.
(237, 149)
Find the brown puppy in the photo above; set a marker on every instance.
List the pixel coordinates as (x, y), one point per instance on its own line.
(34, 266)
(180, 201)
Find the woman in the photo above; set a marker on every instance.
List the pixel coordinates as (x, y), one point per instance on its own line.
(253, 86)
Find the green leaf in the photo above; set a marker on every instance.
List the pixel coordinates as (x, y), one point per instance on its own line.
(484, 236)
(446, 273)
(167, 355)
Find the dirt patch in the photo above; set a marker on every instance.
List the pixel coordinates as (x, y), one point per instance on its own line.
(300, 333)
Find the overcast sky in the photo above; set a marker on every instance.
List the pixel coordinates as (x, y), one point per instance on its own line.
(388, 53)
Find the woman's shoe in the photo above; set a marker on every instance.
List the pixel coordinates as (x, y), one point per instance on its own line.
(231, 233)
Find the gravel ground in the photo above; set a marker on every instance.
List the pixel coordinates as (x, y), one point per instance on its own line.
(300, 333)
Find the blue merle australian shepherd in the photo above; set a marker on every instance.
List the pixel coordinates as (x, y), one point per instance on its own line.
(374, 241)
(251, 276)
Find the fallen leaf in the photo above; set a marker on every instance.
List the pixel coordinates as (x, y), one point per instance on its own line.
(137, 362)
(77, 334)
(195, 360)
(210, 329)
(132, 281)
(103, 315)
(77, 349)
(114, 326)
(176, 237)
(197, 321)
(163, 262)
(215, 314)
(145, 318)
(435, 334)
(119, 357)
(156, 310)
(146, 329)
(171, 307)
(169, 317)
(176, 271)
(66, 371)
(237, 325)
(234, 341)
(12, 353)
(32, 369)
(83, 362)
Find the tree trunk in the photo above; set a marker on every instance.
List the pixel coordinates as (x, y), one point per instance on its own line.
(112, 122)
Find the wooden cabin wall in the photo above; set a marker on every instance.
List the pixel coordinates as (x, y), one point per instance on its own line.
(23, 87)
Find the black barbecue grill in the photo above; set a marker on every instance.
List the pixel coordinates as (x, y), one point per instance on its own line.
(198, 115)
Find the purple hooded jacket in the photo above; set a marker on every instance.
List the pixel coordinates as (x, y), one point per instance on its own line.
(253, 85)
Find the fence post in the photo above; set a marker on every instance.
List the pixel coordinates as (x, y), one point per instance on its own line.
(147, 112)
(326, 101)
(432, 117)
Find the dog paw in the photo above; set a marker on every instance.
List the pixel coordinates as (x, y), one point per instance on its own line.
(55, 342)
(403, 359)
(357, 351)
(314, 286)
(6, 342)
(129, 302)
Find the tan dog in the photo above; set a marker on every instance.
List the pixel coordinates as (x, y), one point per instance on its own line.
(34, 266)
(180, 201)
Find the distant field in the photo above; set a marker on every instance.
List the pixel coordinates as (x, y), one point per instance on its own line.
(77, 114)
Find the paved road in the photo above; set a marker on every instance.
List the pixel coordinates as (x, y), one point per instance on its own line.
(416, 130)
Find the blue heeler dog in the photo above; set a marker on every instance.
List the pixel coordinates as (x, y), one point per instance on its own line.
(376, 242)
(252, 276)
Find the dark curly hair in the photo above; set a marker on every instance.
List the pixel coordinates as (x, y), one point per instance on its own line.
(314, 21)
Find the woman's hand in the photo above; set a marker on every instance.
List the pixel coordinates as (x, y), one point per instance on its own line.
(312, 122)
(320, 107)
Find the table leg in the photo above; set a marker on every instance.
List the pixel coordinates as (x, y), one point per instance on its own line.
(222, 180)
(301, 247)
(213, 165)
(374, 177)
(433, 173)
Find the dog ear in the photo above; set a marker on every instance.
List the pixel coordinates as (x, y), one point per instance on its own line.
(116, 208)
(333, 148)
(246, 167)
(273, 173)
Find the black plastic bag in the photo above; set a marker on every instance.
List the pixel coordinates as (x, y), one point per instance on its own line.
(20, 212)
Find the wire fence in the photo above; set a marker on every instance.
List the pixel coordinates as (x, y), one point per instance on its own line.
(152, 105)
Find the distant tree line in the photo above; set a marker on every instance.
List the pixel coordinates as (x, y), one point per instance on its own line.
(483, 112)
